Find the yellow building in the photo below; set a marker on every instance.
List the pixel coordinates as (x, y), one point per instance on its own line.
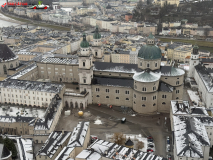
(171, 2)
(121, 57)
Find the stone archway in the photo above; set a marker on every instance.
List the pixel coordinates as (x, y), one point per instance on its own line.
(66, 104)
(71, 104)
(76, 104)
(81, 105)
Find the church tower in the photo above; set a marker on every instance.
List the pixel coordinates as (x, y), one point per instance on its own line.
(97, 48)
(85, 68)
(194, 60)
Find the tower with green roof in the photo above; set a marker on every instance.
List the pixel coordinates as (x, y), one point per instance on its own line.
(149, 56)
(85, 68)
(97, 48)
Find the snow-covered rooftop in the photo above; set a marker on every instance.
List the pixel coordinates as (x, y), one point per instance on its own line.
(190, 135)
(59, 60)
(65, 153)
(31, 85)
(25, 147)
(54, 141)
(146, 76)
(79, 134)
(101, 148)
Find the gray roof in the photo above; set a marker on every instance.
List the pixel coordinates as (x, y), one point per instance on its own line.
(113, 82)
(32, 85)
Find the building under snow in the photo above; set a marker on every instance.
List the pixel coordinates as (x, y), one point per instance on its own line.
(192, 131)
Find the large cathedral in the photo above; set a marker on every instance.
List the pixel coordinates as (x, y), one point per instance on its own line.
(147, 87)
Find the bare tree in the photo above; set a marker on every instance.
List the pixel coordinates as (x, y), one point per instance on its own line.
(140, 145)
(119, 138)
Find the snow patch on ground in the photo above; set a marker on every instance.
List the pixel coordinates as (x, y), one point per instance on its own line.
(98, 122)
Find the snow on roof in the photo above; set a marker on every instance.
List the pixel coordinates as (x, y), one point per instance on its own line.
(183, 108)
(174, 72)
(25, 147)
(114, 151)
(32, 85)
(190, 135)
(45, 123)
(23, 71)
(65, 153)
(78, 135)
(146, 76)
(59, 60)
(193, 96)
(54, 140)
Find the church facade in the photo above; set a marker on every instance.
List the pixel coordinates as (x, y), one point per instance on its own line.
(147, 87)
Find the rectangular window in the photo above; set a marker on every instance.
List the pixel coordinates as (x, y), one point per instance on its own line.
(107, 96)
(97, 89)
(135, 95)
(97, 96)
(177, 82)
(126, 92)
(116, 91)
(127, 99)
(84, 80)
(143, 98)
(107, 90)
(163, 96)
(117, 97)
(177, 91)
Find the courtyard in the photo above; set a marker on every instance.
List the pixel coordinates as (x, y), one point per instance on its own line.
(104, 120)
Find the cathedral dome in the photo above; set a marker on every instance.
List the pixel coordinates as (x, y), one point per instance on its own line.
(84, 43)
(149, 52)
(96, 35)
(147, 76)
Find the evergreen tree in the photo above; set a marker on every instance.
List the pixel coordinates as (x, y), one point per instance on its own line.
(10, 146)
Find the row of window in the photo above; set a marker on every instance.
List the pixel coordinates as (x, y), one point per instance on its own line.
(24, 92)
(115, 97)
(143, 105)
(107, 90)
(42, 99)
(147, 65)
(43, 103)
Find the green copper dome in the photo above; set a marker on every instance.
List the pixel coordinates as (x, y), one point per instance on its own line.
(96, 35)
(149, 52)
(84, 43)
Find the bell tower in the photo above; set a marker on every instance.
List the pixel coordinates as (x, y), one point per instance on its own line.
(97, 48)
(85, 68)
(194, 60)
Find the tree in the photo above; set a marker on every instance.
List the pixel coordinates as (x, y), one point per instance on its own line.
(206, 32)
(140, 145)
(11, 146)
(119, 138)
(138, 12)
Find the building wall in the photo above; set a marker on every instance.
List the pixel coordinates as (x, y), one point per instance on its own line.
(173, 80)
(26, 57)
(164, 102)
(8, 64)
(40, 138)
(107, 57)
(58, 72)
(122, 101)
(26, 97)
(153, 64)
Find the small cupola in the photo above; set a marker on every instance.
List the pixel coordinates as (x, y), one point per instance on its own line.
(129, 143)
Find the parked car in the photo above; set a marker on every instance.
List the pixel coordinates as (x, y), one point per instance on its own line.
(210, 158)
(167, 140)
(169, 157)
(149, 139)
(93, 138)
(168, 148)
(150, 145)
(150, 150)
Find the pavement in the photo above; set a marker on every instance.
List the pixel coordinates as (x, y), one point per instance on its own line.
(111, 123)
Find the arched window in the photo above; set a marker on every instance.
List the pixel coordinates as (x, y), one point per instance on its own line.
(5, 69)
(163, 103)
(143, 105)
(156, 64)
(147, 65)
(154, 104)
(11, 65)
